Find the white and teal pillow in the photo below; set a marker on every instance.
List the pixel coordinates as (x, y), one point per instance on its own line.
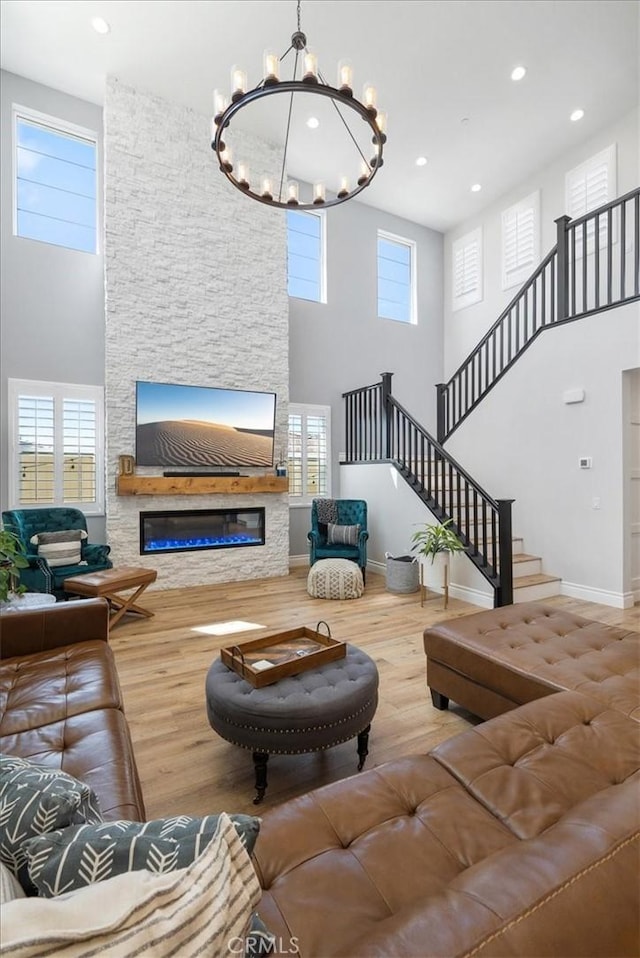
(342, 535)
(198, 910)
(70, 858)
(35, 800)
(60, 548)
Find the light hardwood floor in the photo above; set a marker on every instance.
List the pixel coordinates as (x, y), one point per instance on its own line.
(186, 768)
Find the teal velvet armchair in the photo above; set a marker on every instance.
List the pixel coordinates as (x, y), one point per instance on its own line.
(348, 543)
(40, 576)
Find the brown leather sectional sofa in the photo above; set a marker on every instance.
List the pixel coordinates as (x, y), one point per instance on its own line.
(518, 837)
(60, 700)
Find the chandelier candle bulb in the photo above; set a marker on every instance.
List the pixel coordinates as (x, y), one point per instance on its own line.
(345, 77)
(318, 193)
(243, 175)
(364, 173)
(310, 68)
(381, 123)
(225, 159)
(292, 194)
(271, 66)
(344, 187)
(369, 97)
(267, 188)
(219, 105)
(238, 83)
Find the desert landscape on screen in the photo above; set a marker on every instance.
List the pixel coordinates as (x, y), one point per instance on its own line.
(183, 442)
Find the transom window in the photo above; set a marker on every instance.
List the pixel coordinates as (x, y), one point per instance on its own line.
(55, 188)
(306, 255)
(396, 278)
(309, 459)
(56, 443)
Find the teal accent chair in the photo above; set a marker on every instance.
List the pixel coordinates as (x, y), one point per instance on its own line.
(40, 577)
(351, 512)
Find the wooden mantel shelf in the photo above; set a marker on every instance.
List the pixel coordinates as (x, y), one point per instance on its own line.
(198, 485)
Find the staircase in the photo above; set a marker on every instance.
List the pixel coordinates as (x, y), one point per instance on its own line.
(567, 285)
(530, 583)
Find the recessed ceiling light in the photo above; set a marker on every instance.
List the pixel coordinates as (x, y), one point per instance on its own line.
(476, 188)
(313, 123)
(518, 73)
(421, 161)
(576, 115)
(100, 25)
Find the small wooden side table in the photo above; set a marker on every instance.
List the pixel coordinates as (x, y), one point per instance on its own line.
(109, 583)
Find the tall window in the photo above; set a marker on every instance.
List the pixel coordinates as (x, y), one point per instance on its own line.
(520, 240)
(588, 186)
(56, 445)
(466, 269)
(309, 459)
(55, 189)
(396, 278)
(306, 259)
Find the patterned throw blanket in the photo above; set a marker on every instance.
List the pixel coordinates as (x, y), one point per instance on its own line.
(327, 511)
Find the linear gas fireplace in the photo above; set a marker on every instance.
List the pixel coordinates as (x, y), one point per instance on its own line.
(192, 530)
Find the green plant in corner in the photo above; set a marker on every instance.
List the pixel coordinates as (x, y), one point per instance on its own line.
(12, 559)
(434, 539)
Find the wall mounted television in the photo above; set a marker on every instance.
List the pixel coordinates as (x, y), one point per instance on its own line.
(202, 426)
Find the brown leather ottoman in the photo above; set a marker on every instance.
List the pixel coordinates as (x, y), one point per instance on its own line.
(495, 660)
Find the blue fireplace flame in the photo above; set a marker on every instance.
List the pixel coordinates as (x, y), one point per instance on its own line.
(208, 542)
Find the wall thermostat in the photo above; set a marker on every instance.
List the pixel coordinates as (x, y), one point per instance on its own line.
(585, 462)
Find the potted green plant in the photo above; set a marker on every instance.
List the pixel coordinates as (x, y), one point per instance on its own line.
(430, 541)
(433, 541)
(12, 559)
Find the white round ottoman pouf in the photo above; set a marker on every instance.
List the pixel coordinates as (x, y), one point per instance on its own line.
(335, 579)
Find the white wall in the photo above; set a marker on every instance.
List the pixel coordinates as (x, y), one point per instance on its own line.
(196, 294)
(466, 327)
(394, 513)
(52, 299)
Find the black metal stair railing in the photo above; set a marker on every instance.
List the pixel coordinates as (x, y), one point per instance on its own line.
(568, 285)
(379, 429)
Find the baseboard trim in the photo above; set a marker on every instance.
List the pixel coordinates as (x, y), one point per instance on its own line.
(473, 596)
(295, 561)
(618, 600)
(378, 568)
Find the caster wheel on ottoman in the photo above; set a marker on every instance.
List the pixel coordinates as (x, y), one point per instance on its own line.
(335, 579)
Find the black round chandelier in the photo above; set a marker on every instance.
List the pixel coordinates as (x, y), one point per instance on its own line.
(360, 126)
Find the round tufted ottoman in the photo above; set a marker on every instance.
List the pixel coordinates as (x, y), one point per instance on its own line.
(335, 579)
(303, 713)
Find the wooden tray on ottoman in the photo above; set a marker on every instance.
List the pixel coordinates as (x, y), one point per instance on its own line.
(288, 653)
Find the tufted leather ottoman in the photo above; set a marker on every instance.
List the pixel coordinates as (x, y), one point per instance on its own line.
(303, 713)
(494, 661)
(335, 579)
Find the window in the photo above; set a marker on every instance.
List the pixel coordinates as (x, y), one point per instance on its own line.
(306, 259)
(520, 240)
(589, 186)
(466, 268)
(56, 445)
(396, 278)
(309, 460)
(55, 188)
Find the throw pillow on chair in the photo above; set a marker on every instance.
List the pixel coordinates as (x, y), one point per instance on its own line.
(60, 548)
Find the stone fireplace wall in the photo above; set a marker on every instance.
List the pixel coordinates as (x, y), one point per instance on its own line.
(196, 293)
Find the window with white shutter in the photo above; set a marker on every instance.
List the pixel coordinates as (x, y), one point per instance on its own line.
(520, 240)
(466, 268)
(56, 445)
(309, 458)
(589, 186)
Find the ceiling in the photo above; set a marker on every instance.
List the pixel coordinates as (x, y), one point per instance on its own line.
(442, 69)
